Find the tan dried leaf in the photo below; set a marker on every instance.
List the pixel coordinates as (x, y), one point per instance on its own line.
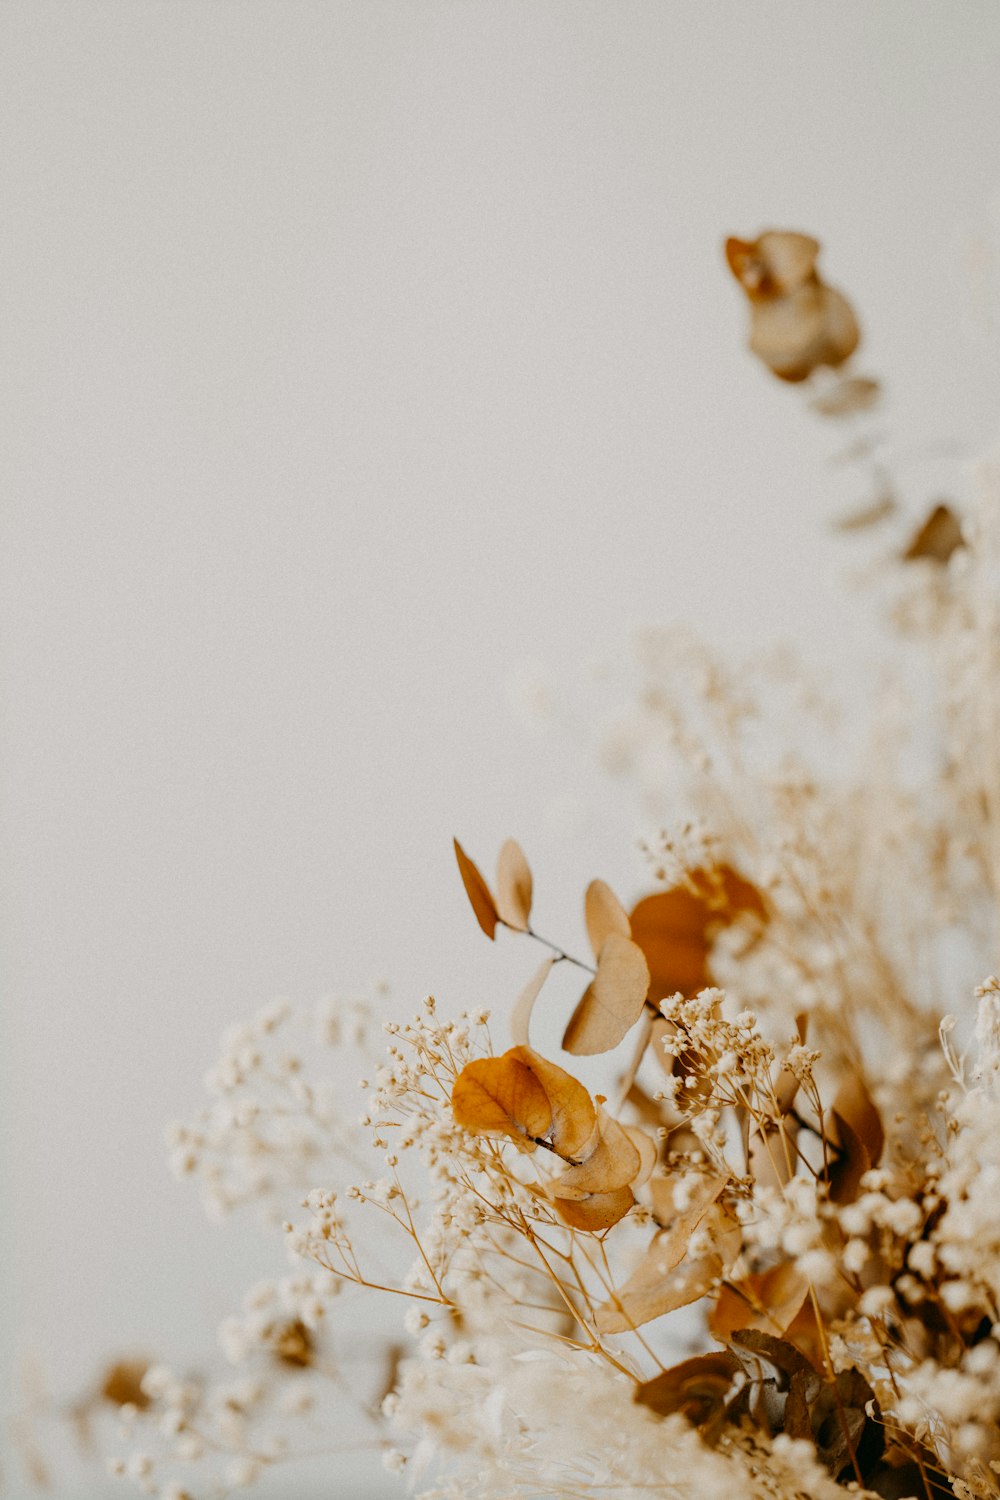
(613, 1163)
(877, 510)
(596, 1212)
(773, 1154)
(665, 1280)
(520, 1019)
(775, 264)
(852, 394)
(937, 537)
(478, 892)
(603, 914)
(501, 1096)
(513, 886)
(613, 1001)
(680, 1203)
(648, 1153)
(769, 1301)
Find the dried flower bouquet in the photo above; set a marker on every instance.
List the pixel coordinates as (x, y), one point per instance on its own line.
(791, 1146)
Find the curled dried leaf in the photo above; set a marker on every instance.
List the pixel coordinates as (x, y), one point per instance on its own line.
(513, 886)
(520, 1019)
(501, 1096)
(613, 1163)
(775, 264)
(479, 894)
(797, 322)
(573, 1130)
(597, 1211)
(612, 1002)
(293, 1344)
(603, 914)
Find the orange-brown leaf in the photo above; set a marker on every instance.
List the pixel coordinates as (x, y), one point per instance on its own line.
(612, 1002)
(520, 1019)
(478, 892)
(768, 1300)
(854, 1125)
(603, 914)
(596, 1212)
(675, 928)
(501, 1096)
(671, 930)
(513, 886)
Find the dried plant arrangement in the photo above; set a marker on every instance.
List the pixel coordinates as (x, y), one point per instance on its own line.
(762, 1257)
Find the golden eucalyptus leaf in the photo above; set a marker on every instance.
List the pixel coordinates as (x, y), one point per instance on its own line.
(603, 914)
(613, 1001)
(513, 901)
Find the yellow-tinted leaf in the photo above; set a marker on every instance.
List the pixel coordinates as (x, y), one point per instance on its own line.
(574, 1119)
(613, 1163)
(604, 914)
(596, 1212)
(501, 1096)
(520, 1019)
(513, 886)
(478, 892)
(612, 1002)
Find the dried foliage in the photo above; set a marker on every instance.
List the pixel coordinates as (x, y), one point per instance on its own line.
(800, 1155)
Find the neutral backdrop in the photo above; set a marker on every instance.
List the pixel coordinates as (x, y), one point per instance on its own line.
(358, 356)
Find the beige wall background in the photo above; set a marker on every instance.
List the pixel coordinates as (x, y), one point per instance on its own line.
(356, 354)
